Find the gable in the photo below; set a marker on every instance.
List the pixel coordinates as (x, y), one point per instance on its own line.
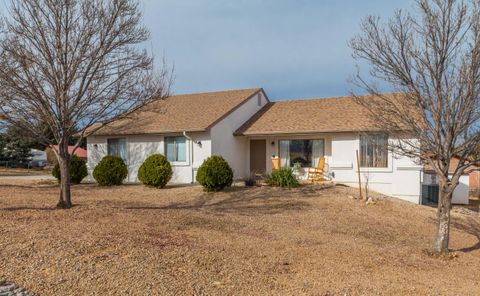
(189, 112)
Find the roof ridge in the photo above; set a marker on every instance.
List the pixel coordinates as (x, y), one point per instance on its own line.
(217, 91)
(329, 98)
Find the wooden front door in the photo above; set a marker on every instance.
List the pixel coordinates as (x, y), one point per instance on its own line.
(258, 156)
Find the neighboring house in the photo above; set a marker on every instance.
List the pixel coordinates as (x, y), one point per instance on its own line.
(247, 129)
(468, 184)
(52, 159)
(38, 158)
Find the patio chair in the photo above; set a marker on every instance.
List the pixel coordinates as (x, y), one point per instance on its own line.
(276, 163)
(317, 174)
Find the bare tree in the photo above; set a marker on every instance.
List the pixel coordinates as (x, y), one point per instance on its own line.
(432, 57)
(74, 65)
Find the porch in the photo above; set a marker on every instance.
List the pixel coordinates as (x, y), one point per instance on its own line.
(300, 152)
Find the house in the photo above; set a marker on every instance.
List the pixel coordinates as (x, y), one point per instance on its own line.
(52, 159)
(468, 184)
(247, 129)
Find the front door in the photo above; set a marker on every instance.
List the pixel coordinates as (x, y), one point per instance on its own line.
(258, 155)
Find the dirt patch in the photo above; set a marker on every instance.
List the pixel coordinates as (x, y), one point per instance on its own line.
(246, 241)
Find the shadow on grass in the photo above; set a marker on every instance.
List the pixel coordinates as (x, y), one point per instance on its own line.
(245, 201)
(472, 227)
(13, 209)
(32, 186)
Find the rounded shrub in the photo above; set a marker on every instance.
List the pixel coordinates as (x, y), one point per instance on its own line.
(215, 174)
(78, 170)
(111, 170)
(155, 171)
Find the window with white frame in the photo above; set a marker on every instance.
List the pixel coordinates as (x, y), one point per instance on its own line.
(374, 151)
(117, 147)
(305, 152)
(176, 149)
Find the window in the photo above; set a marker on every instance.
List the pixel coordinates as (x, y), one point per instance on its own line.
(374, 151)
(117, 147)
(305, 152)
(175, 149)
(259, 100)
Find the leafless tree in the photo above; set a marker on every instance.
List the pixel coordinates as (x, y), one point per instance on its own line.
(74, 65)
(431, 56)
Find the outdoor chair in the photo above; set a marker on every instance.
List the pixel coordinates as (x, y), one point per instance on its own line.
(275, 163)
(317, 174)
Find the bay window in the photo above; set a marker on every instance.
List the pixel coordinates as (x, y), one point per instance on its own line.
(374, 151)
(176, 149)
(304, 152)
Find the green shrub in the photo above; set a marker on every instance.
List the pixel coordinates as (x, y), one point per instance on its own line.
(155, 171)
(78, 170)
(282, 177)
(215, 174)
(111, 170)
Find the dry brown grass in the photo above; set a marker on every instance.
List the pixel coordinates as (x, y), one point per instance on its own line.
(259, 241)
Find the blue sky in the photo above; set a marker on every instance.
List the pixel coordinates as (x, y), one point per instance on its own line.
(291, 48)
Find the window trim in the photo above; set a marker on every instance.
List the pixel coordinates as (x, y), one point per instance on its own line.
(187, 151)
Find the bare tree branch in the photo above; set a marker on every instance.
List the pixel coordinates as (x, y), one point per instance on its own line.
(73, 65)
(431, 57)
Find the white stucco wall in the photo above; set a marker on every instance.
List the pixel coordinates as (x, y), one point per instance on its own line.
(139, 147)
(400, 179)
(461, 192)
(234, 148)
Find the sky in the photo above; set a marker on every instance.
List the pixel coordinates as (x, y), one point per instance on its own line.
(292, 48)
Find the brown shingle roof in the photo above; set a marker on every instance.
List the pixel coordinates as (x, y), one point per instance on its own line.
(341, 114)
(189, 112)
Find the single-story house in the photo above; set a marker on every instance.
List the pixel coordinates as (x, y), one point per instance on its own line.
(468, 184)
(52, 158)
(247, 129)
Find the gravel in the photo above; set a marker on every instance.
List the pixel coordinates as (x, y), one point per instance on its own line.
(10, 289)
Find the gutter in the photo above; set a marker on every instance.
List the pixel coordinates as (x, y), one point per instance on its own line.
(191, 153)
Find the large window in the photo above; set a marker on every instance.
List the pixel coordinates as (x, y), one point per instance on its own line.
(374, 151)
(305, 152)
(176, 149)
(117, 147)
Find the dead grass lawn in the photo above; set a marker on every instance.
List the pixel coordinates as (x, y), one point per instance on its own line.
(259, 241)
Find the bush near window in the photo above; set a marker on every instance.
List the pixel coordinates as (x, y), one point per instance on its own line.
(78, 170)
(155, 171)
(215, 174)
(111, 170)
(282, 177)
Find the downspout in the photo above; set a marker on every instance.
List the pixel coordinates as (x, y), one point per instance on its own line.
(190, 153)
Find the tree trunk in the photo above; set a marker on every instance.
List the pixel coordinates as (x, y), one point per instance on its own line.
(65, 201)
(440, 245)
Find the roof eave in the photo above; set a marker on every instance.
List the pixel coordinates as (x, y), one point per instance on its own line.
(150, 133)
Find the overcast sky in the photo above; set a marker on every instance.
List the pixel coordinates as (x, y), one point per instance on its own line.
(291, 48)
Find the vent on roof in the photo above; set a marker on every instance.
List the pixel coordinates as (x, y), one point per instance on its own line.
(259, 99)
